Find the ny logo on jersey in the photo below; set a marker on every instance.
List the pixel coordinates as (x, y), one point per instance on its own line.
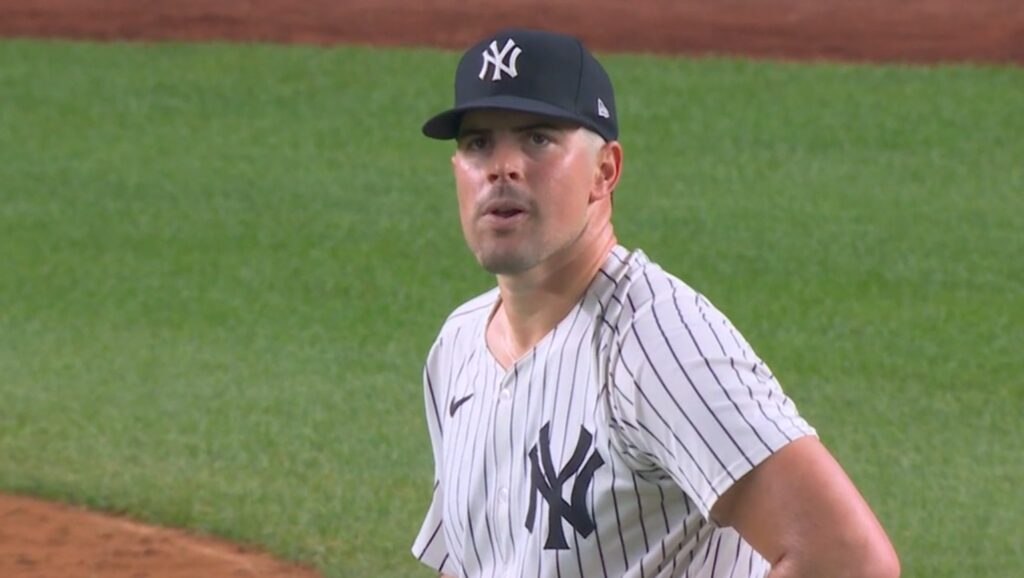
(497, 59)
(548, 484)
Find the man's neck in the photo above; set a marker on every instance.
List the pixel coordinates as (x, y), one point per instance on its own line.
(532, 305)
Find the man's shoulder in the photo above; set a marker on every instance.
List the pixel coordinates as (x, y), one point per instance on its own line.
(470, 313)
(656, 304)
(641, 283)
(461, 327)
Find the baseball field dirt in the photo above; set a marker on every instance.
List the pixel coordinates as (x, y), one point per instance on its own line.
(39, 539)
(909, 30)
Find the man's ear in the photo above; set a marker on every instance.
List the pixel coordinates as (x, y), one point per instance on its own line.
(608, 171)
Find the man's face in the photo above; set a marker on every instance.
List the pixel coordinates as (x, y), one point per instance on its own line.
(524, 183)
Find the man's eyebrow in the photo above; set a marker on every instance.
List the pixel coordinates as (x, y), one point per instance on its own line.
(472, 131)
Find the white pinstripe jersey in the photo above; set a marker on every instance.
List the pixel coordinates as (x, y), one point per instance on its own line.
(601, 451)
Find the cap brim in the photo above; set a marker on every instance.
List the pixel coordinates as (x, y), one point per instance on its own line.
(445, 125)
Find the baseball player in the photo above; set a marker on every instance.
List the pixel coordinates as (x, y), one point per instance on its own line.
(592, 415)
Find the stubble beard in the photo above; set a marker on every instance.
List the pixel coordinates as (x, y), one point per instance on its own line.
(516, 256)
(515, 252)
(508, 253)
(510, 261)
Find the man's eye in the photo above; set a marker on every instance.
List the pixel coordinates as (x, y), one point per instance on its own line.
(539, 138)
(474, 143)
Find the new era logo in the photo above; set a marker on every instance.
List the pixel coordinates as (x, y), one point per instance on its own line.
(602, 110)
(503, 61)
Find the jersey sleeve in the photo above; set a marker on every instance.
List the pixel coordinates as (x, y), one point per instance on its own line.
(689, 397)
(430, 546)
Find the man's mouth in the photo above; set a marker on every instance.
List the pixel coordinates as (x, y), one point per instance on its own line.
(503, 211)
(503, 216)
(506, 212)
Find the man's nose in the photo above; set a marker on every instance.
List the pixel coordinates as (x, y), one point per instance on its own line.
(506, 163)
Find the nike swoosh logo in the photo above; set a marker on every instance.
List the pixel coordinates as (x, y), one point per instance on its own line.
(456, 404)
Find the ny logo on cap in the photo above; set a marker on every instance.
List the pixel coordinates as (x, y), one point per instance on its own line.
(497, 58)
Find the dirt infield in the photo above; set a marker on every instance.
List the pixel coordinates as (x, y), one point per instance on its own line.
(44, 540)
(907, 30)
(38, 539)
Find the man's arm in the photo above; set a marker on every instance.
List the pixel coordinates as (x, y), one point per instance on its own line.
(801, 512)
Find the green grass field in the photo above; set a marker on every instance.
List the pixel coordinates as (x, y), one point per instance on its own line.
(221, 267)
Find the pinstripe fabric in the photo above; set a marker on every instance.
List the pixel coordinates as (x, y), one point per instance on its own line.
(600, 452)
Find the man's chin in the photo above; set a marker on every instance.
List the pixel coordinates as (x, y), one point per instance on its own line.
(505, 262)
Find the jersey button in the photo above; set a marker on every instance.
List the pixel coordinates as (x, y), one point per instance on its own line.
(505, 394)
(503, 495)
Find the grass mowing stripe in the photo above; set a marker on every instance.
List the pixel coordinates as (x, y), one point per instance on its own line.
(223, 265)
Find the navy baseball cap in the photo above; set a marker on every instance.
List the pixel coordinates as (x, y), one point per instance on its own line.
(536, 71)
